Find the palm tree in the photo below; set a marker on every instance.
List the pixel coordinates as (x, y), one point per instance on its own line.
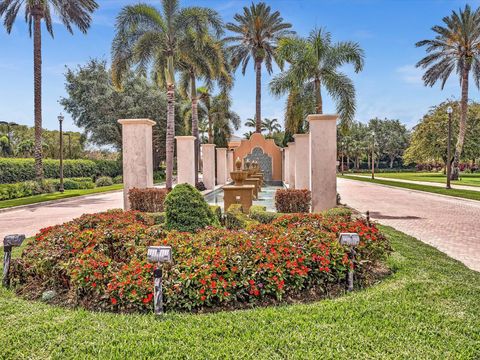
(455, 47)
(70, 12)
(271, 125)
(145, 35)
(258, 31)
(314, 64)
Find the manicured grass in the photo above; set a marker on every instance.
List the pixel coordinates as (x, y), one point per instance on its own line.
(465, 179)
(466, 194)
(57, 195)
(429, 308)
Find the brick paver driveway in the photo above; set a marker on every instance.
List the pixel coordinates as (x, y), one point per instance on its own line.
(451, 225)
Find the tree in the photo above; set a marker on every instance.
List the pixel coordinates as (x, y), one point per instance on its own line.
(271, 125)
(391, 137)
(144, 36)
(70, 12)
(314, 64)
(455, 47)
(257, 32)
(357, 142)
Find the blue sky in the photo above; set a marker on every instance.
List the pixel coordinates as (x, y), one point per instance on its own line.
(389, 86)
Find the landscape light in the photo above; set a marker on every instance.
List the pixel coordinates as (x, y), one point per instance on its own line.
(9, 242)
(351, 240)
(449, 110)
(158, 255)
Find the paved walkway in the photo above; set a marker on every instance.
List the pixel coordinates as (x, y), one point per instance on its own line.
(429, 183)
(450, 224)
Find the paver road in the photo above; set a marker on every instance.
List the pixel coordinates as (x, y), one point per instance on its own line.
(451, 225)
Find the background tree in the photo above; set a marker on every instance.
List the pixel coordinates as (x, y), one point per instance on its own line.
(455, 47)
(391, 137)
(257, 32)
(314, 64)
(271, 125)
(71, 13)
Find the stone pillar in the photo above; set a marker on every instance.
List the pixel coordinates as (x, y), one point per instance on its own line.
(323, 159)
(221, 166)
(208, 154)
(291, 165)
(230, 164)
(302, 161)
(287, 165)
(137, 155)
(185, 159)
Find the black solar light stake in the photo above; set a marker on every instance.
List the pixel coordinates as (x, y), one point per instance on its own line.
(9, 242)
(158, 255)
(351, 240)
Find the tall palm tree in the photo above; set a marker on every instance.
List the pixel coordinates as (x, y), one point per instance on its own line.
(271, 125)
(145, 35)
(455, 47)
(314, 64)
(70, 12)
(258, 31)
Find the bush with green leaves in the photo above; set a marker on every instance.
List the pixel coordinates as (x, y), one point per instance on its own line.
(260, 214)
(236, 219)
(104, 181)
(30, 188)
(118, 179)
(187, 210)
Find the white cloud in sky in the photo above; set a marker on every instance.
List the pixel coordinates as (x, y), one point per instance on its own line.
(410, 74)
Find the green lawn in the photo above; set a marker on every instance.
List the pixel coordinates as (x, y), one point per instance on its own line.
(466, 179)
(428, 309)
(57, 195)
(466, 194)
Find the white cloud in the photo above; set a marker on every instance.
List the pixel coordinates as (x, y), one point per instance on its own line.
(410, 74)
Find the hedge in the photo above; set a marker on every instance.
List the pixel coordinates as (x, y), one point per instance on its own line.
(13, 170)
(148, 200)
(293, 200)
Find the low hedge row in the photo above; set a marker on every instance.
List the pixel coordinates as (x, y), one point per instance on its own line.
(147, 200)
(13, 170)
(293, 200)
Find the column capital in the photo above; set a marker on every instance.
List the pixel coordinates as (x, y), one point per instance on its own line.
(209, 145)
(301, 135)
(317, 117)
(184, 138)
(136, 122)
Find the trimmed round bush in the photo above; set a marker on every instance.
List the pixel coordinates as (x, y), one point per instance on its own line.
(104, 181)
(187, 210)
(118, 179)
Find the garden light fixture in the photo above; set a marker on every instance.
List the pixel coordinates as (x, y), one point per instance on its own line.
(449, 147)
(158, 255)
(9, 242)
(351, 240)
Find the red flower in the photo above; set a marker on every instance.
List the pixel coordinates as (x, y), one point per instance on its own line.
(203, 298)
(202, 291)
(94, 284)
(113, 301)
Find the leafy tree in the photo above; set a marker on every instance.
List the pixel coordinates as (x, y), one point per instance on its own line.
(271, 125)
(70, 12)
(314, 64)
(257, 32)
(456, 46)
(357, 142)
(391, 138)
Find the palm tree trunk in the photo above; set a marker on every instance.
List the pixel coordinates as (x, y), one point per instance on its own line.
(258, 99)
(37, 76)
(210, 129)
(318, 96)
(170, 135)
(195, 122)
(463, 123)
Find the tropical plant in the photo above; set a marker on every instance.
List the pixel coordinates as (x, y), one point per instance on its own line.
(248, 134)
(271, 125)
(70, 12)
(456, 46)
(145, 35)
(257, 32)
(314, 64)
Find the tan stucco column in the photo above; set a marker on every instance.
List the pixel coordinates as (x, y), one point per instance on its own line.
(208, 155)
(287, 165)
(137, 155)
(221, 166)
(302, 161)
(323, 159)
(230, 164)
(291, 165)
(185, 159)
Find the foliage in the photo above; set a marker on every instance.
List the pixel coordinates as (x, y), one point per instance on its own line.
(236, 219)
(293, 200)
(260, 214)
(391, 137)
(148, 200)
(187, 210)
(16, 170)
(151, 219)
(217, 212)
(104, 181)
(98, 261)
(118, 179)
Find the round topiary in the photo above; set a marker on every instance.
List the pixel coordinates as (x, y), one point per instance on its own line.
(104, 181)
(187, 210)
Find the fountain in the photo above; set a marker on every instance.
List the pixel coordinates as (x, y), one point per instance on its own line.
(251, 180)
(239, 192)
(257, 174)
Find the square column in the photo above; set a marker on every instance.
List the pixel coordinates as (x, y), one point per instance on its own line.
(291, 165)
(323, 159)
(286, 177)
(137, 155)
(230, 164)
(302, 161)
(208, 154)
(221, 166)
(185, 159)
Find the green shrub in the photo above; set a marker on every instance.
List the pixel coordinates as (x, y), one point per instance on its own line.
(293, 200)
(29, 188)
(118, 179)
(338, 212)
(236, 219)
(217, 211)
(13, 170)
(148, 200)
(104, 181)
(77, 183)
(260, 214)
(151, 219)
(158, 176)
(187, 210)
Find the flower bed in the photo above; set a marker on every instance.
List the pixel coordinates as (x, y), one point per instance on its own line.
(98, 261)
